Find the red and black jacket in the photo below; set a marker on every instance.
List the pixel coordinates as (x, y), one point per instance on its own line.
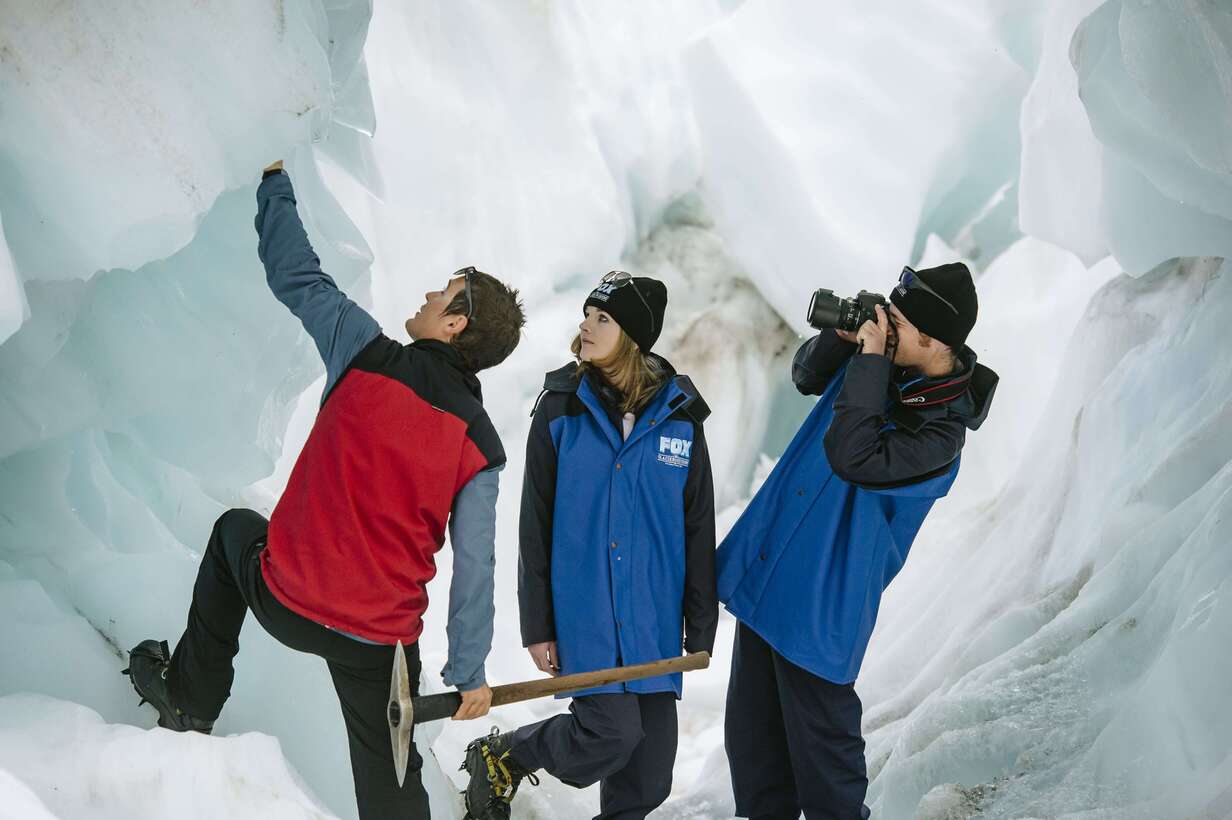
(352, 542)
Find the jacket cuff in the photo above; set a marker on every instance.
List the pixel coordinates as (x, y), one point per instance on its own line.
(699, 645)
(867, 381)
(275, 183)
(475, 681)
(530, 639)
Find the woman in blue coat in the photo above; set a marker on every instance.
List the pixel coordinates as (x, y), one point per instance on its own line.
(616, 559)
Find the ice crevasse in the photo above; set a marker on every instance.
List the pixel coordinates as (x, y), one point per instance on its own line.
(1055, 647)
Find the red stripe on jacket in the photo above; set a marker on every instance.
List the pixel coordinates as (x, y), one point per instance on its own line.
(353, 540)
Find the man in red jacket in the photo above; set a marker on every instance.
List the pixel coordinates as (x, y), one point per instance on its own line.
(400, 449)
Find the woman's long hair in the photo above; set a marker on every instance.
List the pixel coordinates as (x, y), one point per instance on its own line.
(636, 375)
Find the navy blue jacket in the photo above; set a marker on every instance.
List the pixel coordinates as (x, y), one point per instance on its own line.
(616, 558)
(807, 562)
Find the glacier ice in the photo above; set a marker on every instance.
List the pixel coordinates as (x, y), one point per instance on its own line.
(1054, 647)
(124, 772)
(1156, 86)
(141, 140)
(836, 143)
(1087, 587)
(13, 307)
(20, 800)
(1061, 186)
(1137, 163)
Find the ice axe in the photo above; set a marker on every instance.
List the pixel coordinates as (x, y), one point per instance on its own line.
(406, 711)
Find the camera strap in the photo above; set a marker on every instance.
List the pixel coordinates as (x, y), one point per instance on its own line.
(928, 394)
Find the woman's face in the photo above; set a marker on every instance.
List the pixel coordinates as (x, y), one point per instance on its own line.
(600, 335)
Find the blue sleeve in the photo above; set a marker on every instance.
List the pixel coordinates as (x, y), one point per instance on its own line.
(472, 534)
(339, 327)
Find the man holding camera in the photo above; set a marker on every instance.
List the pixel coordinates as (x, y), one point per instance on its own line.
(804, 568)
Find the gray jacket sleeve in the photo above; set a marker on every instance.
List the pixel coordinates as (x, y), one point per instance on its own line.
(339, 327)
(472, 533)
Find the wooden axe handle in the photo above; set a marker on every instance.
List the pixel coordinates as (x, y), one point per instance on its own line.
(428, 708)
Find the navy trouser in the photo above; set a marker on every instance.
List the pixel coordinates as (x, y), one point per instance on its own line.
(229, 584)
(793, 739)
(624, 742)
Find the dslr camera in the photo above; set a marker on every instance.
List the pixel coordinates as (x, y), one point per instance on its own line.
(827, 310)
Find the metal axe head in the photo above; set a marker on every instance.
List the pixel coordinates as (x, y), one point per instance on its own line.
(400, 713)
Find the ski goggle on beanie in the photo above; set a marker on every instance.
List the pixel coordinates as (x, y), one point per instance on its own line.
(910, 280)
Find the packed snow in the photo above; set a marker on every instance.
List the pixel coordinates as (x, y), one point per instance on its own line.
(1057, 643)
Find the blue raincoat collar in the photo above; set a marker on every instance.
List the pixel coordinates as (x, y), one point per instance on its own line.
(654, 412)
(678, 394)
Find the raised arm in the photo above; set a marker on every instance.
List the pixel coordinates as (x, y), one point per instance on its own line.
(339, 327)
(818, 359)
(701, 598)
(860, 448)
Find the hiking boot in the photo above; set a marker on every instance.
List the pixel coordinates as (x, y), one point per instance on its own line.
(148, 662)
(495, 776)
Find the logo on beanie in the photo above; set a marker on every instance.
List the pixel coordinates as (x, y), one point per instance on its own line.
(603, 292)
(675, 451)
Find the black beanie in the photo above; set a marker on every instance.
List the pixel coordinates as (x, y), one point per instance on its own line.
(928, 313)
(641, 320)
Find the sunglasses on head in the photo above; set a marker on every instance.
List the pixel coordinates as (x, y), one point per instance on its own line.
(620, 278)
(910, 280)
(465, 273)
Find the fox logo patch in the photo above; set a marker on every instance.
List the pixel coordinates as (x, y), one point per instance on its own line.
(675, 451)
(603, 292)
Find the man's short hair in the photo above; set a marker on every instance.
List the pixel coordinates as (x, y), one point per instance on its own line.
(496, 322)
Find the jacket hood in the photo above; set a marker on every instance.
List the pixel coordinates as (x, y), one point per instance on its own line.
(983, 385)
(971, 405)
(567, 379)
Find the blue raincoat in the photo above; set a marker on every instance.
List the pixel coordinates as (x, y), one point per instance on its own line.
(617, 535)
(807, 562)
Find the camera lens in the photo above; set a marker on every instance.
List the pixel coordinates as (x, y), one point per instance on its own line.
(825, 309)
